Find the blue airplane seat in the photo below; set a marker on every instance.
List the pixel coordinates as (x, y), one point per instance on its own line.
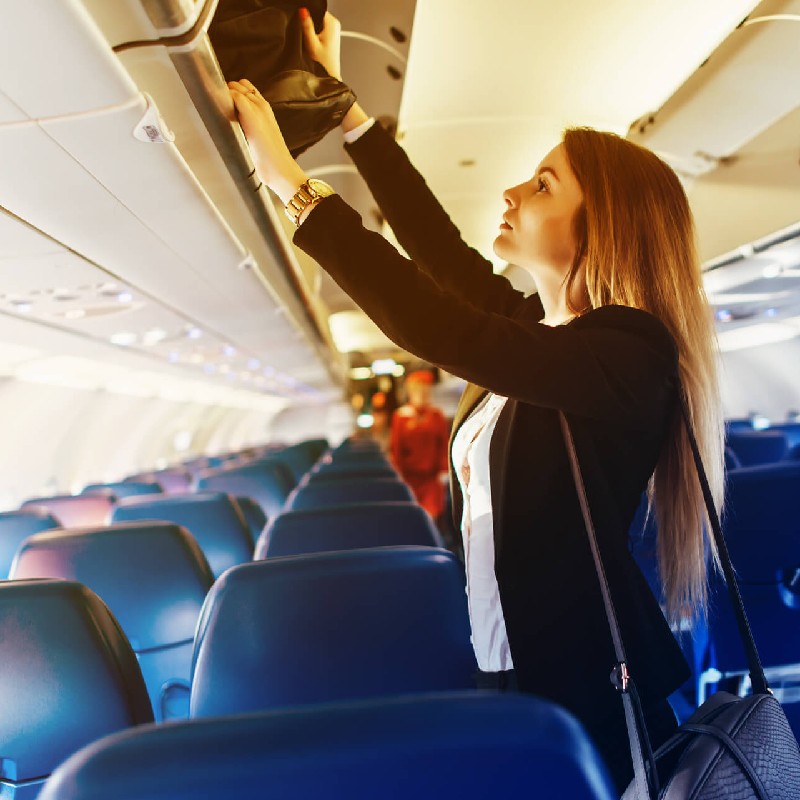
(125, 488)
(331, 627)
(320, 494)
(69, 676)
(351, 456)
(347, 528)
(470, 746)
(300, 457)
(738, 424)
(357, 445)
(731, 459)
(758, 447)
(213, 518)
(253, 515)
(173, 480)
(792, 431)
(75, 510)
(154, 578)
(268, 482)
(336, 470)
(762, 531)
(15, 527)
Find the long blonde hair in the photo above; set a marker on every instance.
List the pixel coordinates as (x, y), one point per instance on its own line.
(636, 237)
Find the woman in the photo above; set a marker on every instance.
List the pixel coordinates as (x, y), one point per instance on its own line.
(619, 321)
(418, 443)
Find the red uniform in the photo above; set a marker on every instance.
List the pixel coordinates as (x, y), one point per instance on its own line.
(418, 448)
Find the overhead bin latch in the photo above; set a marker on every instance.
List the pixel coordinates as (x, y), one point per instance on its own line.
(151, 128)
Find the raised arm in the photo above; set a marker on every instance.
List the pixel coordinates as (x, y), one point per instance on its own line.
(422, 226)
(615, 364)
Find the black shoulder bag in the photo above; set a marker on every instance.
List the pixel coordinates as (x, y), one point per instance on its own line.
(262, 40)
(731, 747)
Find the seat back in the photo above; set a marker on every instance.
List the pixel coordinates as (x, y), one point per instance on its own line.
(341, 492)
(468, 746)
(332, 626)
(173, 480)
(122, 489)
(69, 676)
(15, 527)
(73, 511)
(154, 578)
(347, 528)
(213, 518)
(351, 470)
(254, 516)
(267, 482)
(299, 457)
(762, 531)
(758, 447)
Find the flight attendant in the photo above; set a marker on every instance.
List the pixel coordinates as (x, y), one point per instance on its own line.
(418, 443)
(618, 329)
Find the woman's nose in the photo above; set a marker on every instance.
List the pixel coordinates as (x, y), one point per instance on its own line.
(508, 197)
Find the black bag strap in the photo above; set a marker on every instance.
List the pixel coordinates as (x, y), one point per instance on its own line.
(646, 784)
(757, 677)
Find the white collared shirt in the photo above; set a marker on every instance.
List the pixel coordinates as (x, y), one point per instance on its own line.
(471, 463)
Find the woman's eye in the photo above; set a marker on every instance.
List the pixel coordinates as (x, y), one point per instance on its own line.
(541, 185)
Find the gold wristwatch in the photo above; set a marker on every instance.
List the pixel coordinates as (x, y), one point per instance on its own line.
(310, 193)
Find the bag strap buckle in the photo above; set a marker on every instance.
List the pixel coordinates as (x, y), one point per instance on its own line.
(620, 678)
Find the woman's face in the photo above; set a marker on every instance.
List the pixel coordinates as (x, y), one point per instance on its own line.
(537, 229)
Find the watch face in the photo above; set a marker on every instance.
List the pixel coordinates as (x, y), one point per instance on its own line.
(320, 187)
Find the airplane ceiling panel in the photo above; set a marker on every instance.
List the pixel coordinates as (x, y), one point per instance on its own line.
(498, 86)
(43, 185)
(754, 194)
(10, 111)
(79, 73)
(748, 83)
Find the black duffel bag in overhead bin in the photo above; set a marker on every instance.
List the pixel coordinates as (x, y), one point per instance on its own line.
(262, 41)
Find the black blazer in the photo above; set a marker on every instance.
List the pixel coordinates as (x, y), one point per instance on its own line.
(612, 371)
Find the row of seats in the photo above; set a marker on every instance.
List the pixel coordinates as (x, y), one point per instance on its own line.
(366, 622)
(290, 631)
(287, 667)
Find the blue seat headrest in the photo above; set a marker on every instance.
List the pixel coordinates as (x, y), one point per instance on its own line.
(332, 626)
(15, 527)
(758, 447)
(267, 482)
(334, 493)
(153, 576)
(469, 746)
(69, 676)
(75, 510)
(212, 518)
(124, 488)
(347, 527)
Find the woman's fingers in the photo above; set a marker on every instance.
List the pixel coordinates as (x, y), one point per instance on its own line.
(323, 48)
(307, 24)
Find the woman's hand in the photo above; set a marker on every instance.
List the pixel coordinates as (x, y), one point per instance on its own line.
(273, 161)
(325, 48)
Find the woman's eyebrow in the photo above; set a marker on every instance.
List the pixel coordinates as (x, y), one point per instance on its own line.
(542, 170)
